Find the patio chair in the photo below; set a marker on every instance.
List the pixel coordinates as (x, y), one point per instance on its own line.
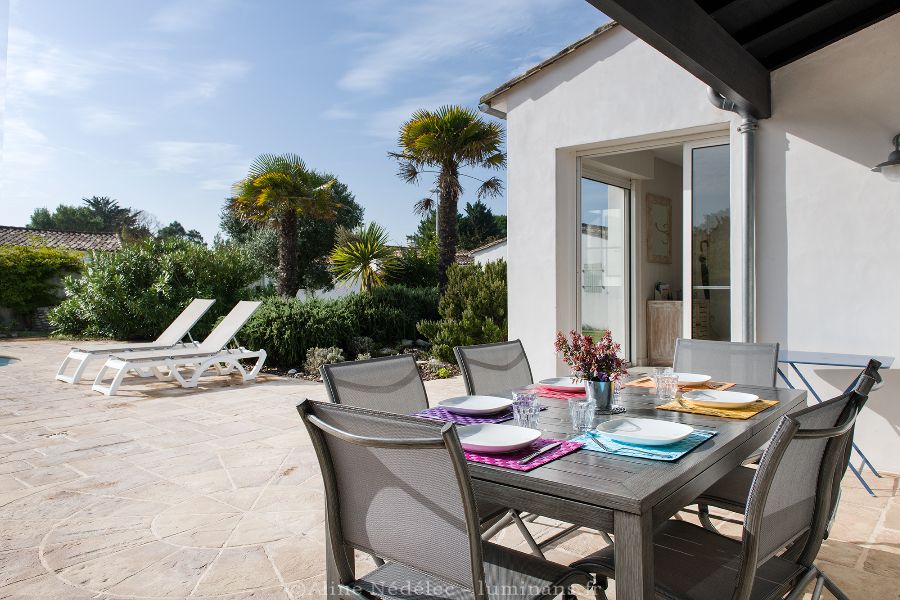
(733, 362)
(492, 368)
(172, 337)
(392, 384)
(210, 353)
(733, 490)
(398, 487)
(788, 507)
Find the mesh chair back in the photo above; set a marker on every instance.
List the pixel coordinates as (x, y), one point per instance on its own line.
(229, 326)
(748, 364)
(183, 322)
(493, 368)
(791, 492)
(390, 384)
(398, 488)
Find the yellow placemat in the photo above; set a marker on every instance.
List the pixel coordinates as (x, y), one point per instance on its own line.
(745, 412)
(647, 382)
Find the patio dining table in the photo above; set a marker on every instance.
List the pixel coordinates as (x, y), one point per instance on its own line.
(628, 497)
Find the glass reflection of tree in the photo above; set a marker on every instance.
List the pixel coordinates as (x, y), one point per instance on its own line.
(704, 267)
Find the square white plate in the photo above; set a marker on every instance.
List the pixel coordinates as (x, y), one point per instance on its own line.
(491, 438)
(563, 384)
(476, 405)
(645, 432)
(720, 398)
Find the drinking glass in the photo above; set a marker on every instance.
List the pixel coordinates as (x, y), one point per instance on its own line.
(582, 413)
(526, 410)
(667, 387)
(656, 374)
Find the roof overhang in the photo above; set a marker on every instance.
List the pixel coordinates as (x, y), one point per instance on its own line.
(733, 45)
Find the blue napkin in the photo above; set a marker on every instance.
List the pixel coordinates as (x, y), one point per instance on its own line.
(670, 452)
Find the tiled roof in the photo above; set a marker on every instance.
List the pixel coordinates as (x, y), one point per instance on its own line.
(72, 240)
(486, 99)
(490, 244)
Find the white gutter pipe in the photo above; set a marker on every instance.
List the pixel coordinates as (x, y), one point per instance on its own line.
(747, 129)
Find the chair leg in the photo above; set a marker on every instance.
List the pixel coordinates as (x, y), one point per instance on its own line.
(832, 587)
(535, 549)
(817, 590)
(703, 513)
(600, 586)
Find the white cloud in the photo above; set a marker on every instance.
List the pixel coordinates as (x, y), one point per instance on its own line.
(186, 15)
(385, 124)
(104, 122)
(207, 80)
(25, 149)
(423, 33)
(533, 58)
(214, 165)
(339, 113)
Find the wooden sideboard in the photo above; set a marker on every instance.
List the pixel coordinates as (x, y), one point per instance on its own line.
(664, 321)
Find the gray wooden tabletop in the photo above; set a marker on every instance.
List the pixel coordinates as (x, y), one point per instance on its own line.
(631, 496)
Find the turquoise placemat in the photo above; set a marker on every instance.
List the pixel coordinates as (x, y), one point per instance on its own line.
(671, 452)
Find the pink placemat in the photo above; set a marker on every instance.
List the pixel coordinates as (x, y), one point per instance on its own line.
(439, 413)
(510, 460)
(546, 392)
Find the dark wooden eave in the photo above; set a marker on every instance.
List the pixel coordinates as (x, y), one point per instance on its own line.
(733, 45)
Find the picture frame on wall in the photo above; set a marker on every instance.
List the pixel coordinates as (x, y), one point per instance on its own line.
(659, 229)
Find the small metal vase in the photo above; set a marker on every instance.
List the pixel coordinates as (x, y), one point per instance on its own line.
(601, 392)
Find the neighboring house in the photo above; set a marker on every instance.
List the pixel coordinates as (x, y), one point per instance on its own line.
(70, 240)
(81, 241)
(489, 252)
(613, 135)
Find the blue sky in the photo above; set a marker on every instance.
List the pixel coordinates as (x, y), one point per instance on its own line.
(162, 104)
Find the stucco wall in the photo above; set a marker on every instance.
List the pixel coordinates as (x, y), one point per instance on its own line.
(495, 252)
(827, 226)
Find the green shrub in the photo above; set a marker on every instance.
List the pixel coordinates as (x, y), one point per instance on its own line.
(135, 293)
(316, 357)
(472, 309)
(288, 327)
(28, 277)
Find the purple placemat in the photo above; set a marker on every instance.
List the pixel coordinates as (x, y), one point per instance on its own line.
(510, 460)
(439, 413)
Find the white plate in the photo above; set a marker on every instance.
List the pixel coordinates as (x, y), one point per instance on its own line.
(563, 384)
(491, 438)
(476, 405)
(692, 378)
(646, 432)
(720, 398)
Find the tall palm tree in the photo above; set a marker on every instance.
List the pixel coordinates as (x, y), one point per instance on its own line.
(276, 190)
(363, 256)
(443, 142)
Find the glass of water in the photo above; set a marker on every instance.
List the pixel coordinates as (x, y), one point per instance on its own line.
(582, 413)
(526, 410)
(667, 387)
(657, 373)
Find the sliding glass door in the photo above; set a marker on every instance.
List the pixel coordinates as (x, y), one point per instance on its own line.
(604, 259)
(709, 193)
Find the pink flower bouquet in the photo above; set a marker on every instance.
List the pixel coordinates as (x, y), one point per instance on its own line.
(591, 361)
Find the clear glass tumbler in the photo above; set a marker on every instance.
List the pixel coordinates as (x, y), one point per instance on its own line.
(582, 413)
(667, 387)
(657, 373)
(526, 410)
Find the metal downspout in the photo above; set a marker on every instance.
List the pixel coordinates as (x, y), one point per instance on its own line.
(747, 129)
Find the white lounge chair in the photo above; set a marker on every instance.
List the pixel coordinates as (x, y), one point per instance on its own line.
(172, 337)
(211, 353)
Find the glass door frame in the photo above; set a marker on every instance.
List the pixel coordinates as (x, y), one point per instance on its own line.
(628, 185)
(735, 245)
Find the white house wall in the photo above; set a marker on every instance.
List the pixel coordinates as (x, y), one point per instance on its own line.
(614, 88)
(827, 226)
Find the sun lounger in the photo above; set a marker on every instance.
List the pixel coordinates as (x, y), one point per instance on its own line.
(211, 353)
(172, 337)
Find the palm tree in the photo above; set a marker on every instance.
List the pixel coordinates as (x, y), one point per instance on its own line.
(276, 190)
(363, 256)
(443, 142)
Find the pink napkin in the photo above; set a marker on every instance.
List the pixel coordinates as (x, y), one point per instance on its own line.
(546, 392)
(510, 460)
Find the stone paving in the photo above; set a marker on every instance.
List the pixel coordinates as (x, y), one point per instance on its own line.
(162, 493)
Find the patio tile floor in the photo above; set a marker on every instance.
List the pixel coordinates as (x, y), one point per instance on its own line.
(161, 493)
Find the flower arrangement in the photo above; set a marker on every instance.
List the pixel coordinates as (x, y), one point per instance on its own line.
(591, 361)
